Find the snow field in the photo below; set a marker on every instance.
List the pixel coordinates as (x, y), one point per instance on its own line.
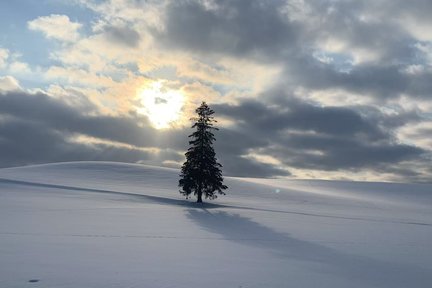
(102, 224)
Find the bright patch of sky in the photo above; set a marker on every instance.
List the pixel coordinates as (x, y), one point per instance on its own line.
(30, 46)
(340, 62)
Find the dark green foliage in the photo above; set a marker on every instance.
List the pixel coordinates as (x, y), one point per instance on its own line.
(201, 173)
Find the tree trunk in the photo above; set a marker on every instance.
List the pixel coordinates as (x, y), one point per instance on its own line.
(199, 194)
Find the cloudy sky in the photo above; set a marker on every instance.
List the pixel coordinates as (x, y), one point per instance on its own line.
(331, 89)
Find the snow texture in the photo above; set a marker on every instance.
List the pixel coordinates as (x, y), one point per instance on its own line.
(101, 224)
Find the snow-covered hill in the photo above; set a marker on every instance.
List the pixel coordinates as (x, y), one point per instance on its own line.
(102, 224)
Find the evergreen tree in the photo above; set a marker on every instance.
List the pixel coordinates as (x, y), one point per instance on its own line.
(201, 173)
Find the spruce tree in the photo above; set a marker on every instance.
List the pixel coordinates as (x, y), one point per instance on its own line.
(201, 173)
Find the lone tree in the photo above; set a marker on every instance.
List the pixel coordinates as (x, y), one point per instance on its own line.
(201, 173)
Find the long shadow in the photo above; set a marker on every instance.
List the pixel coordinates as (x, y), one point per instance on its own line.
(135, 196)
(157, 199)
(360, 269)
(179, 202)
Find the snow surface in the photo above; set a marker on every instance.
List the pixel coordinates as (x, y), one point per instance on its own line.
(102, 224)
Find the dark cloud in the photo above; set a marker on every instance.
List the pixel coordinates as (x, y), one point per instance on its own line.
(23, 143)
(378, 81)
(307, 136)
(240, 28)
(363, 27)
(293, 114)
(383, 34)
(57, 115)
(122, 35)
(36, 128)
(231, 145)
(360, 26)
(331, 153)
(242, 167)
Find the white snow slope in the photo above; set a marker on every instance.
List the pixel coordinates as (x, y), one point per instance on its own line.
(101, 224)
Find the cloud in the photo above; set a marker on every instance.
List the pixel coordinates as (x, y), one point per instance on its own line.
(4, 55)
(306, 136)
(369, 55)
(19, 68)
(9, 83)
(122, 35)
(242, 167)
(240, 28)
(232, 145)
(327, 153)
(377, 81)
(57, 27)
(412, 17)
(37, 128)
(321, 88)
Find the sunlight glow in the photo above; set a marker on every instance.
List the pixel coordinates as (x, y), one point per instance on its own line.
(162, 106)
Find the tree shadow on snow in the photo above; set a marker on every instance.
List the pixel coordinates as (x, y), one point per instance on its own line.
(239, 229)
(181, 202)
(122, 195)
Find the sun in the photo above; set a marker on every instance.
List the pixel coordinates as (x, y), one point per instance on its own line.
(161, 106)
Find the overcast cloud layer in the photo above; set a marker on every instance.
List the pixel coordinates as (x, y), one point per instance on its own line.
(302, 89)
